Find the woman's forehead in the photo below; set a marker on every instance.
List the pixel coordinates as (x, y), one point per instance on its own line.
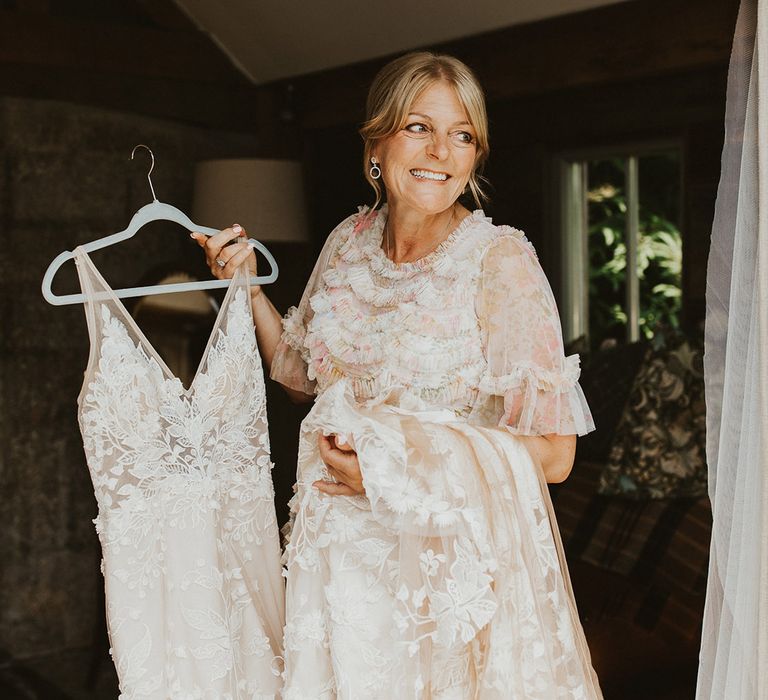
(440, 101)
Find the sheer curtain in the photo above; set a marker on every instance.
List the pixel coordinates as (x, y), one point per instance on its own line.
(733, 660)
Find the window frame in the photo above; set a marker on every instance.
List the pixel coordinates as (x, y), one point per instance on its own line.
(569, 226)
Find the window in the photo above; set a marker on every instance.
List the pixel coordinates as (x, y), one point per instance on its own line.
(621, 243)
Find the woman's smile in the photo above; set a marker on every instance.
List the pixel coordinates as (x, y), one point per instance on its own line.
(429, 175)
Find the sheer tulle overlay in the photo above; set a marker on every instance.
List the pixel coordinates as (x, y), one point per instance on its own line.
(733, 661)
(186, 516)
(446, 580)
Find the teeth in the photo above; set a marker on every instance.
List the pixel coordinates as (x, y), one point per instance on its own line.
(428, 175)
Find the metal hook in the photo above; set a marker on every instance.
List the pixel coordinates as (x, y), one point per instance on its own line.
(151, 167)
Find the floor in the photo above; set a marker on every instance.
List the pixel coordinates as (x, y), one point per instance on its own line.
(79, 674)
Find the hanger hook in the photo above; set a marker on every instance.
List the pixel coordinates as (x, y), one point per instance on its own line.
(151, 167)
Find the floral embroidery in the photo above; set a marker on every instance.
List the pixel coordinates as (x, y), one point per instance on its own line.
(186, 515)
(385, 590)
(445, 576)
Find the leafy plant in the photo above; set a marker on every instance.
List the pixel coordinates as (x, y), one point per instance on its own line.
(659, 263)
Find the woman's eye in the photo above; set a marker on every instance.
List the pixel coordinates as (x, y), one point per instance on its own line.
(465, 137)
(417, 128)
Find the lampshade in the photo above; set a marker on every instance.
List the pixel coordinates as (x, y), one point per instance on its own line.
(266, 197)
(194, 303)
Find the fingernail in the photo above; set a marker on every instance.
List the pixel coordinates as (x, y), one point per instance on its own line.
(237, 228)
(192, 235)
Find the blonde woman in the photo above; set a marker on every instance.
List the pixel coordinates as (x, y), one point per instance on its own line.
(423, 559)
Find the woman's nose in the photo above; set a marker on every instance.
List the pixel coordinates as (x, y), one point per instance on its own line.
(438, 146)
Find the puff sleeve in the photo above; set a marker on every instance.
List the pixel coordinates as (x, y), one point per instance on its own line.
(290, 363)
(529, 386)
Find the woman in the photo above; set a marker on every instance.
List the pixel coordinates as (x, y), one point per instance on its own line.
(421, 560)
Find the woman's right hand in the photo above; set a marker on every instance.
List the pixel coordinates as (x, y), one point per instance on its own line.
(216, 248)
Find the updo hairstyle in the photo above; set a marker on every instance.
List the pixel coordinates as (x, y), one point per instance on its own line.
(397, 86)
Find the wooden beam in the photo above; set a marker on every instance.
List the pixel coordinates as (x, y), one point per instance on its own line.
(611, 44)
(50, 42)
(200, 104)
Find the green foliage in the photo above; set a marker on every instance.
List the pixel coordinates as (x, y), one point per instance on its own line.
(659, 261)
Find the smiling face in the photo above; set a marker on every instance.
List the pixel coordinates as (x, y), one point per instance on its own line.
(426, 165)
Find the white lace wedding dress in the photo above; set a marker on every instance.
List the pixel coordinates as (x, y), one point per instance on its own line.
(186, 517)
(447, 579)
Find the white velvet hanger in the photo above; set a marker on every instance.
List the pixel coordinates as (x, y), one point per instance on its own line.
(155, 211)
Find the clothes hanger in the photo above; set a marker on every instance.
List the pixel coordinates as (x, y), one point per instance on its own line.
(154, 211)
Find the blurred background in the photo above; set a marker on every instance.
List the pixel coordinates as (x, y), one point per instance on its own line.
(606, 131)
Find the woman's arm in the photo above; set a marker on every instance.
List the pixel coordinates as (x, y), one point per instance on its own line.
(555, 453)
(269, 328)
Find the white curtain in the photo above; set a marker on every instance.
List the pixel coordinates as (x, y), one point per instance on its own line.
(733, 661)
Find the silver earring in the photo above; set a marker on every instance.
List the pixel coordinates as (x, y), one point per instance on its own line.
(375, 171)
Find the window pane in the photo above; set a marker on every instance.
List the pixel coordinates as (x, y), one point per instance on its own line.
(606, 215)
(660, 248)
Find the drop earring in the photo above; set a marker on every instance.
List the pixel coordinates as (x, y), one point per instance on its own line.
(375, 171)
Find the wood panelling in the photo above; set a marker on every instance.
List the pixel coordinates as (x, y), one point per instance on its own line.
(209, 104)
(607, 45)
(141, 57)
(117, 50)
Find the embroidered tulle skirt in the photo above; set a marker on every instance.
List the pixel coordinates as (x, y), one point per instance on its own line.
(446, 580)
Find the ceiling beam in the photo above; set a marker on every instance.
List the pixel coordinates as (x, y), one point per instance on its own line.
(47, 42)
(199, 104)
(175, 73)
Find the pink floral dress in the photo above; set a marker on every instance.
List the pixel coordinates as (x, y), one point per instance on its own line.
(446, 579)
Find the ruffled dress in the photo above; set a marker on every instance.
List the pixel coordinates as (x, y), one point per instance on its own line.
(446, 579)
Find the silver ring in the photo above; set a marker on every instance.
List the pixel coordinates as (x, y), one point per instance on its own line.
(220, 262)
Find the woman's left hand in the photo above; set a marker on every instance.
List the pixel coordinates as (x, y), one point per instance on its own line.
(342, 464)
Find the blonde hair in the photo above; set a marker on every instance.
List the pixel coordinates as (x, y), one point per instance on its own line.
(397, 86)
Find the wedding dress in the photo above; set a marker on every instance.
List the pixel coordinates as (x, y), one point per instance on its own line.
(446, 580)
(186, 518)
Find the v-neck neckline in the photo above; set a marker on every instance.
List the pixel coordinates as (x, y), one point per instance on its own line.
(186, 392)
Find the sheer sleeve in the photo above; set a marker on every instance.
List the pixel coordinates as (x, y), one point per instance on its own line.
(529, 386)
(291, 359)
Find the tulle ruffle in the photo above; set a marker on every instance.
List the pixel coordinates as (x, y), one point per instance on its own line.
(411, 324)
(417, 325)
(532, 400)
(291, 357)
(290, 369)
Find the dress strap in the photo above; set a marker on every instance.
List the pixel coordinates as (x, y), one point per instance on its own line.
(91, 284)
(92, 287)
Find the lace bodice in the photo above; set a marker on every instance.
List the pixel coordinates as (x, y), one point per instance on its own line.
(472, 327)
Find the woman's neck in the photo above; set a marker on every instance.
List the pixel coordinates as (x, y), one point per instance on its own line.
(410, 235)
